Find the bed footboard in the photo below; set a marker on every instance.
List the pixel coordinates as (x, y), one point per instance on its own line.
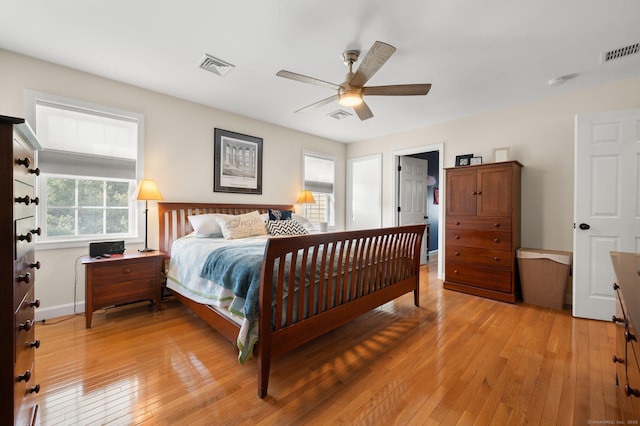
(336, 277)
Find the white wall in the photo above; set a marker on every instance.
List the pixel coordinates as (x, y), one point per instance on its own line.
(178, 155)
(540, 135)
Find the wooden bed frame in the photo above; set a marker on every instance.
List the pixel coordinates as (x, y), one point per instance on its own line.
(364, 269)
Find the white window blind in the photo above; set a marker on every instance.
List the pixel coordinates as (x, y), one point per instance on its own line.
(86, 143)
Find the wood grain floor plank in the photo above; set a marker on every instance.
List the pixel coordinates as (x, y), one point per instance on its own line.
(457, 359)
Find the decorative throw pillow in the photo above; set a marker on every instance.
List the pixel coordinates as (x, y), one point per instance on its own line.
(205, 225)
(241, 225)
(286, 227)
(279, 214)
(303, 220)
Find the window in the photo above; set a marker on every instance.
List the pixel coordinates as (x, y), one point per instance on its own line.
(319, 178)
(89, 164)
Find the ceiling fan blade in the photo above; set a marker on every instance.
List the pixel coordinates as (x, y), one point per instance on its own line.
(397, 90)
(375, 58)
(318, 104)
(363, 111)
(306, 79)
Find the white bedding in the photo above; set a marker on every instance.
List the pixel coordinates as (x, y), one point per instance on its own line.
(188, 255)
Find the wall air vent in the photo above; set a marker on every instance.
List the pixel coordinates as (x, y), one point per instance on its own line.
(215, 65)
(340, 114)
(619, 53)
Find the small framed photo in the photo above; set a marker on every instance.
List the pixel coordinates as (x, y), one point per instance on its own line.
(463, 160)
(501, 154)
(475, 160)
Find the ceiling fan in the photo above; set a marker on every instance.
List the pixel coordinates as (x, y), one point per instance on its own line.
(352, 90)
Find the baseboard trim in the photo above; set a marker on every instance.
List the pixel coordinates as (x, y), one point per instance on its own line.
(59, 311)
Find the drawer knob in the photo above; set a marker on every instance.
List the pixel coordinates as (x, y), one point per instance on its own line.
(35, 344)
(35, 389)
(34, 265)
(615, 359)
(26, 162)
(26, 278)
(616, 286)
(27, 237)
(479, 192)
(474, 193)
(36, 201)
(497, 225)
(496, 258)
(26, 326)
(628, 390)
(496, 240)
(616, 319)
(457, 253)
(126, 271)
(629, 337)
(26, 200)
(24, 377)
(457, 237)
(458, 223)
(35, 303)
(36, 231)
(456, 271)
(35, 171)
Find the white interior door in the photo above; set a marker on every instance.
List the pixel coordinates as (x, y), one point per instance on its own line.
(606, 205)
(413, 196)
(364, 192)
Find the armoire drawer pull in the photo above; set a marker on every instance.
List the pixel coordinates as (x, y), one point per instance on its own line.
(24, 377)
(37, 231)
(126, 271)
(26, 278)
(34, 265)
(35, 303)
(26, 162)
(457, 237)
(26, 326)
(496, 240)
(26, 200)
(629, 337)
(616, 286)
(35, 389)
(35, 171)
(457, 253)
(35, 344)
(615, 359)
(497, 225)
(628, 390)
(497, 259)
(616, 319)
(26, 237)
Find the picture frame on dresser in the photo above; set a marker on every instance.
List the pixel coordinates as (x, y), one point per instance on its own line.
(237, 163)
(463, 160)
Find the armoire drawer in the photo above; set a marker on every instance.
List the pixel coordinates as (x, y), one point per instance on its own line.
(23, 164)
(479, 276)
(488, 240)
(24, 201)
(24, 277)
(478, 256)
(479, 223)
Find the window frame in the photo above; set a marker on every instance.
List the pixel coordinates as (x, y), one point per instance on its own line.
(31, 98)
(331, 213)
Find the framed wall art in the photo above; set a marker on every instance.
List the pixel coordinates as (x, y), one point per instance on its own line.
(501, 154)
(237, 162)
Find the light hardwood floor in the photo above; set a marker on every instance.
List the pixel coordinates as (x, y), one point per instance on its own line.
(457, 359)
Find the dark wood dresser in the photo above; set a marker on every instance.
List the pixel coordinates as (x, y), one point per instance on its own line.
(627, 320)
(482, 229)
(17, 266)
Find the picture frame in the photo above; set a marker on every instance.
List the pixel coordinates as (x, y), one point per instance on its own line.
(500, 154)
(475, 160)
(463, 160)
(237, 162)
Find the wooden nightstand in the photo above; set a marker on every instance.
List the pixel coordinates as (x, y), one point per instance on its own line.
(121, 279)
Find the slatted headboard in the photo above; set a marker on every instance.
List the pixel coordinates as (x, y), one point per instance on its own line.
(173, 219)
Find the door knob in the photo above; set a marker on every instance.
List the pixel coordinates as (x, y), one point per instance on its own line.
(584, 226)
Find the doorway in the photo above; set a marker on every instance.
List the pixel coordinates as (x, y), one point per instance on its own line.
(434, 153)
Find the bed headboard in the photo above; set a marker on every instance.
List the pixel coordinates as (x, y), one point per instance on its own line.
(173, 222)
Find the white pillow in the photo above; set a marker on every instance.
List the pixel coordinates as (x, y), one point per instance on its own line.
(205, 225)
(241, 225)
(303, 220)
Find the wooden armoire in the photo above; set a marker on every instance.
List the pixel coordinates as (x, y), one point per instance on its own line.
(18, 344)
(482, 229)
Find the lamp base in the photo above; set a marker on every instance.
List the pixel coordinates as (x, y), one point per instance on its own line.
(146, 250)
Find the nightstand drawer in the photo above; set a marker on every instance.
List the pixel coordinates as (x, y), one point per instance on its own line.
(109, 272)
(125, 291)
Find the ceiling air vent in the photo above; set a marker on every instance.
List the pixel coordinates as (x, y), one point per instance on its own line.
(620, 53)
(339, 114)
(215, 65)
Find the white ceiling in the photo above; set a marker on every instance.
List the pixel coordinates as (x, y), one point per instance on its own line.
(479, 55)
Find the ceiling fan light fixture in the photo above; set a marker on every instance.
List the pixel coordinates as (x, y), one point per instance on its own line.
(350, 98)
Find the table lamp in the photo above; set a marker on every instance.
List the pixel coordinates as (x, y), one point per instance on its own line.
(146, 190)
